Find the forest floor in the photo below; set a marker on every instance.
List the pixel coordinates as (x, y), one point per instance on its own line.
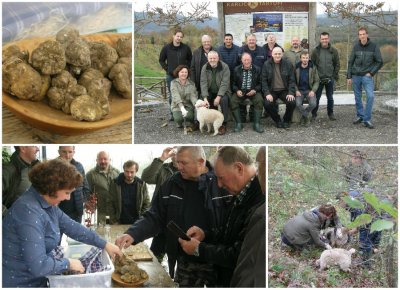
(302, 178)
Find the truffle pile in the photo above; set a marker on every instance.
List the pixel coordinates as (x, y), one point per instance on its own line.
(129, 270)
(75, 75)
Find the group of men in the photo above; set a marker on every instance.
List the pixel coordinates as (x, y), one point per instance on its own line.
(233, 76)
(220, 206)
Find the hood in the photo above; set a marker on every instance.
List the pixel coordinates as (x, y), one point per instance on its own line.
(219, 66)
(121, 178)
(310, 64)
(312, 217)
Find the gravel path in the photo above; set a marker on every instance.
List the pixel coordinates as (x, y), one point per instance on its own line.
(151, 126)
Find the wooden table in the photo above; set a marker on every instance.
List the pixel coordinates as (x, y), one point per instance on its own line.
(158, 277)
(16, 131)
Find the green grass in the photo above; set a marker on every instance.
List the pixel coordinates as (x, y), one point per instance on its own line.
(142, 70)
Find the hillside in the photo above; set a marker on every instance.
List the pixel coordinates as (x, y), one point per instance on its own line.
(152, 27)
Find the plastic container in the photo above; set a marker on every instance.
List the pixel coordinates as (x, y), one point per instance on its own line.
(92, 280)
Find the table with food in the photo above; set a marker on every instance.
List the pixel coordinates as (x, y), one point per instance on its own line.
(139, 261)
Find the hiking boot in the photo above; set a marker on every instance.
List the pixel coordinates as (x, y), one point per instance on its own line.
(358, 120)
(285, 125)
(238, 123)
(303, 120)
(257, 118)
(332, 117)
(369, 125)
(313, 119)
(307, 122)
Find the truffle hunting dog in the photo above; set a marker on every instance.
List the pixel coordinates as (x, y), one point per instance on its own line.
(340, 257)
(337, 237)
(208, 117)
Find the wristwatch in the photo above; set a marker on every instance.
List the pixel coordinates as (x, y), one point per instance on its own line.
(196, 251)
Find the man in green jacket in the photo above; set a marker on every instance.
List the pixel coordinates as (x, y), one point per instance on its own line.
(215, 86)
(130, 195)
(100, 179)
(303, 229)
(15, 174)
(326, 58)
(307, 82)
(293, 53)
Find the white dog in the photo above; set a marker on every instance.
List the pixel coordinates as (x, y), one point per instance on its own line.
(208, 117)
(336, 256)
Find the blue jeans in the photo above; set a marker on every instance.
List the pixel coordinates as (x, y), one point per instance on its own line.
(312, 103)
(329, 95)
(369, 240)
(368, 83)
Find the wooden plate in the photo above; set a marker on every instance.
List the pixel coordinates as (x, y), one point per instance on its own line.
(116, 277)
(40, 115)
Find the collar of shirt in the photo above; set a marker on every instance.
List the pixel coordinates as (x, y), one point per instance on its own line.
(40, 199)
(242, 194)
(243, 69)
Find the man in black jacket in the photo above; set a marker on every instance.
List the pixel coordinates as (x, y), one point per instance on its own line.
(278, 82)
(190, 197)
(326, 58)
(364, 62)
(172, 55)
(200, 58)
(250, 268)
(73, 207)
(247, 85)
(157, 173)
(236, 173)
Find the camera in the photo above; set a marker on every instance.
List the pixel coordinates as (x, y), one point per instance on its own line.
(325, 81)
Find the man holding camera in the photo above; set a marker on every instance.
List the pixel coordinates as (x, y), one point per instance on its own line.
(326, 58)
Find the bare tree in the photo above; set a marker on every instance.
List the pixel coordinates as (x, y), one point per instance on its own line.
(172, 15)
(360, 12)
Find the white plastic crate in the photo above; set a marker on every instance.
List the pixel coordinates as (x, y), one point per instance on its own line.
(92, 280)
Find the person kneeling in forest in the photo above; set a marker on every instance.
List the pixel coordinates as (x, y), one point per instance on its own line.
(304, 229)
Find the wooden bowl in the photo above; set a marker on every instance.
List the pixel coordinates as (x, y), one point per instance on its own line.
(42, 116)
(116, 277)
